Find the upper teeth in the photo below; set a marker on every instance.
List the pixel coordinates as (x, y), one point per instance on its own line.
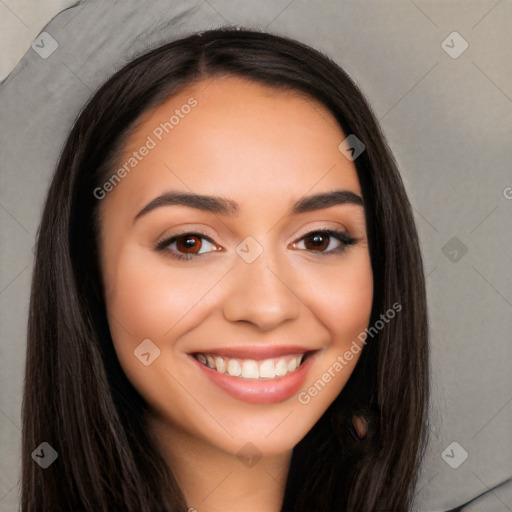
(251, 369)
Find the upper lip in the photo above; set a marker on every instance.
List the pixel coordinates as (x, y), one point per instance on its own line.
(256, 352)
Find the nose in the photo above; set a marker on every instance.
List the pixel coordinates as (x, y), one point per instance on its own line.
(261, 293)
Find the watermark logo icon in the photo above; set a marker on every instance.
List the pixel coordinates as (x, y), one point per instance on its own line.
(249, 455)
(146, 352)
(44, 45)
(454, 45)
(44, 455)
(351, 147)
(454, 249)
(249, 250)
(454, 455)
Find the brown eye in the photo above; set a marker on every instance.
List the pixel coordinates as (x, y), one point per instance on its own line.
(322, 241)
(317, 241)
(189, 244)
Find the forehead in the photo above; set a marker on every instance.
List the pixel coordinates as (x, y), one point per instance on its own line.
(234, 137)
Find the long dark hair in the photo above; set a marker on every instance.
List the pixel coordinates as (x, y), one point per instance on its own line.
(78, 399)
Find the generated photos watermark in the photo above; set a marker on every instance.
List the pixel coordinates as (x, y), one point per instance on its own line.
(152, 140)
(304, 397)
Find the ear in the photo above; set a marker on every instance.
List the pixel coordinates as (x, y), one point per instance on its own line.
(360, 425)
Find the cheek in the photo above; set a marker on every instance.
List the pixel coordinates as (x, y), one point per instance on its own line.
(343, 300)
(147, 300)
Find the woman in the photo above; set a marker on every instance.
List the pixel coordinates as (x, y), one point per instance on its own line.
(283, 367)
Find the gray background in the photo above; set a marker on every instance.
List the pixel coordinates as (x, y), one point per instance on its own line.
(448, 121)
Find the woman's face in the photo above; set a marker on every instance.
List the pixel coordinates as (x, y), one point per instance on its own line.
(225, 175)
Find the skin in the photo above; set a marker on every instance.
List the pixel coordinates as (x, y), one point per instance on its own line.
(263, 148)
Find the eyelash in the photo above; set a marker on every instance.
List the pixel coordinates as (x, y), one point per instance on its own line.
(341, 236)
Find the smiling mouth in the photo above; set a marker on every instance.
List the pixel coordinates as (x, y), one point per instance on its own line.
(273, 368)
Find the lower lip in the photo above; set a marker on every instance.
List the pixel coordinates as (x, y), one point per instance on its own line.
(259, 391)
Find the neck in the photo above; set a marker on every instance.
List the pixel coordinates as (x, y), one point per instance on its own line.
(214, 480)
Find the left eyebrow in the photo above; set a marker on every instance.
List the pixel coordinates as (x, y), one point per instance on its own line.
(220, 205)
(325, 200)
